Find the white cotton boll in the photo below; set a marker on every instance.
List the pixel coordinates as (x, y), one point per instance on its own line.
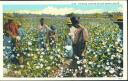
(70, 70)
(58, 50)
(37, 49)
(21, 66)
(12, 56)
(108, 50)
(119, 56)
(42, 53)
(119, 61)
(104, 72)
(27, 63)
(51, 57)
(98, 66)
(8, 66)
(111, 63)
(78, 62)
(112, 70)
(37, 67)
(14, 48)
(107, 63)
(76, 57)
(29, 43)
(6, 57)
(41, 56)
(29, 55)
(107, 68)
(41, 65)
(84, 66)
(4, 47)
(119, 49)
(112, 57)
(9, 41)
(61, 68)
(42, 42)
(118, 39)
(41, 59)
(121, 74)
(53, 41)
(68, 47)
(74, 74)
(38, 52)
(90, 62)
(86, 71)
(46, 61)
(84, 61)
(118, 67)
(79, 67)
(99, 73)
(109, 53)
(48, 68)
(42, 49)
(18, 38)
(59, 56)
(8, 47)
(32, 54)
(75, 70)
(116, 43)
(18, 54)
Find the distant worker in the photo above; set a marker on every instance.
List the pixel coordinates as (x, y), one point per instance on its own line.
(43, 34)
(52, 36)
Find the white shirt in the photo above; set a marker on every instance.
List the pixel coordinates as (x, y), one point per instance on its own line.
(72, 32)
(42, 28)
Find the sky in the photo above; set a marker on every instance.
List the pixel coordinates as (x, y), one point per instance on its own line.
(62, 9)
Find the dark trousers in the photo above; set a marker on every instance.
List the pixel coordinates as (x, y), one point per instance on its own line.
(78, 49)
(14, 60)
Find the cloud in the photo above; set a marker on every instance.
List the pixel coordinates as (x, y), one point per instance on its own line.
(63, 11)
(120, 9)
(58, 11)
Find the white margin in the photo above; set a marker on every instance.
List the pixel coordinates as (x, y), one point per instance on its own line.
(65, 2)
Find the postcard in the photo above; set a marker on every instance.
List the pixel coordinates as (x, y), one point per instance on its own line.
(64, 40)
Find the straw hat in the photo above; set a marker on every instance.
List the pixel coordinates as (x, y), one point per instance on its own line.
(9, 16)
(68, 21)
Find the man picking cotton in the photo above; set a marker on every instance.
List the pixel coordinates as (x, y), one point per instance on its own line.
(79, 36)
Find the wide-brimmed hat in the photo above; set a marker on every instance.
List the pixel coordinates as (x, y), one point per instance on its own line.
(53, 28)
(9, 16)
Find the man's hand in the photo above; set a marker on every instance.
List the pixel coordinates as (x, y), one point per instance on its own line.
(18, 38)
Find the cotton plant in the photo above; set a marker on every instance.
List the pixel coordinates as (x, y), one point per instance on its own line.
(104, 51)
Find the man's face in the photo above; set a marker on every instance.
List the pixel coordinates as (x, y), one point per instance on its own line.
(75, 25)
(42, 22)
